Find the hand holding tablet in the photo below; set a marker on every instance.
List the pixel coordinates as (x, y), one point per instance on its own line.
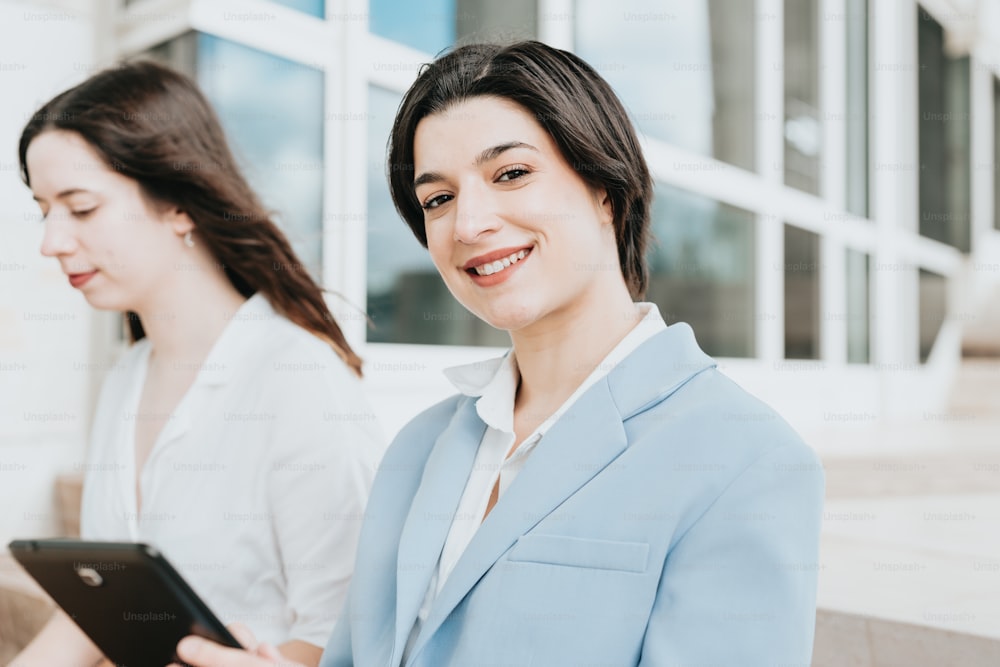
(126, 597)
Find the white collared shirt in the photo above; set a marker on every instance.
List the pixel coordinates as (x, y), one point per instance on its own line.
(256, 486)
(495, 383)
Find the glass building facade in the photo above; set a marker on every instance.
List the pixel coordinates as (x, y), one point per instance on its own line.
(813, 160)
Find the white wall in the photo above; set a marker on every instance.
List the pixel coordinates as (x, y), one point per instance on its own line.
(45, 378)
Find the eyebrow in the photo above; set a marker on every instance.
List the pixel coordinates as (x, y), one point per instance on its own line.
(65, 193)
(488, 154)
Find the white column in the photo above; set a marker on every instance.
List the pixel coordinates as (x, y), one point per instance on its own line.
(895, 171)
(555, 23)
(833, 176)
(346, 180)
(770, 311)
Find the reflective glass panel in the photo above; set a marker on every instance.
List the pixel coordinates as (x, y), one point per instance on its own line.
(276, 129)
(433, 25)
(857, 107)
(407, 300)
(933, 310)
(858, 319)
(944, 138)
(702, 269)
(803, 128)
(683, 68)
(996, 154)
(310, 7)
(802, 305)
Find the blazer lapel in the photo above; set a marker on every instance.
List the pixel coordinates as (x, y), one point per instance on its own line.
(578, 446)
(429, 520)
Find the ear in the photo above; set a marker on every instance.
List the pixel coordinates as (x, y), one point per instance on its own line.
(179, 221)
(603, 200)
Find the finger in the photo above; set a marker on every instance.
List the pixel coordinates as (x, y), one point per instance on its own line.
(243, 635)
(265, 650)
(200, 652)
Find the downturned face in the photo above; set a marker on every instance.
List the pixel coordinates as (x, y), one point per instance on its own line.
(109, 242)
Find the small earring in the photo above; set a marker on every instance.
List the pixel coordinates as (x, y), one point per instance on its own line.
(188, 240)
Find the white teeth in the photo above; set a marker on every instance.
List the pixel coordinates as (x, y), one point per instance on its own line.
(495, 267)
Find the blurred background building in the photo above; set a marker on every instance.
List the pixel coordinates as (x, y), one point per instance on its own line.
(827, 208)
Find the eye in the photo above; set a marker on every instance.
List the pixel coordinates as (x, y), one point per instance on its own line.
(436, 201)
(512, 173)
(83, 214)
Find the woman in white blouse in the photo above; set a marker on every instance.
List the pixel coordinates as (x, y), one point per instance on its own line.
(233, 434)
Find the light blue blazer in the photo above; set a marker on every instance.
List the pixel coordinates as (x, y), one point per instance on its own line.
(668, 518)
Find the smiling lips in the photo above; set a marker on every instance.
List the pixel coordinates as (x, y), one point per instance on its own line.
(495, 267)
(79, 279)
(489, 268)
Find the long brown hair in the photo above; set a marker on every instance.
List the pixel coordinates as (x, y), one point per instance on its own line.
(569, 99)
(152, 124)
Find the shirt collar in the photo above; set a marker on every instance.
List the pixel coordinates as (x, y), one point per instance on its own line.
(242, 332)
(495, 380)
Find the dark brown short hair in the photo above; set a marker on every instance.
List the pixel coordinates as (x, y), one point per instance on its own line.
(574, 104)
(152, 124)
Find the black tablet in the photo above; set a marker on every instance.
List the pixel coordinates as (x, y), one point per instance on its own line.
(126, 597)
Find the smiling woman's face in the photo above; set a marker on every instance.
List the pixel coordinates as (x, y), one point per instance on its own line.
(516, 234)
(108, 241)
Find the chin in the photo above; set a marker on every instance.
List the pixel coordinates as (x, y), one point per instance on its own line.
(509, 318)
(104, 301)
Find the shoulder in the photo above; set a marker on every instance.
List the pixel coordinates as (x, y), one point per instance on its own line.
(712, 433)
(717, 413)
(417, 437)
(402, 467)
(293, 362)
(434, 418)
(305, 388)
(287, 341)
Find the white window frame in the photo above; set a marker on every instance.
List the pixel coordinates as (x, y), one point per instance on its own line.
(342, 46)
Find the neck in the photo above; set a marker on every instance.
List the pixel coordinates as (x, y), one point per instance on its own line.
(186, 315)
(557, 355)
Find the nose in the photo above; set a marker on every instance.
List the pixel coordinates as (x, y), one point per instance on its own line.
(57, 240)
(475, 214)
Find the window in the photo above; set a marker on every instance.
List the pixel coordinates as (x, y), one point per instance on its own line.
(702, 269)
(858, 318)
(803, 131)
(274, 127)
(933, 310)
(857, 107)
(684, 70)
(407, 300)
(433, 25)
(944, 142)
(801, 294)
(311, 7)
(996, 154)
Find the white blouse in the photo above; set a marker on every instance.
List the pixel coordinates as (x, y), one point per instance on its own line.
(495, 383)
(256, 486)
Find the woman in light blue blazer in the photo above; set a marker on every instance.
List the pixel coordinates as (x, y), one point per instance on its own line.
(601, 495)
